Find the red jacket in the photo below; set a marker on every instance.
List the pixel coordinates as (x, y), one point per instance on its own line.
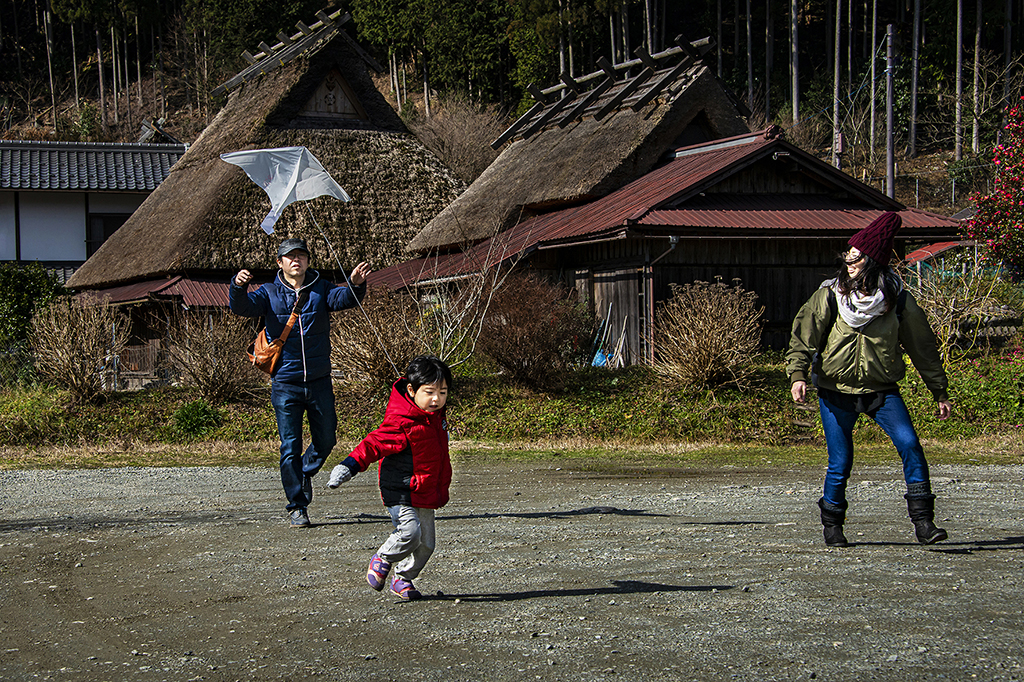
(413, 445)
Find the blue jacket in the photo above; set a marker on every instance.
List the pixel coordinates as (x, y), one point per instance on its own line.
(307, 352)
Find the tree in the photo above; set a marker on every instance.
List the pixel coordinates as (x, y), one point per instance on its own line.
(999, 215)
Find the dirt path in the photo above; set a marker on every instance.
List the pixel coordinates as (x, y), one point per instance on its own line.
(541, 573)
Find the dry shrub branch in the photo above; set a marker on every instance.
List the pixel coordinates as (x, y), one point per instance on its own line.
(365, 343)
(207, 349)
(534, 331)
(76, 345)
(707, 334)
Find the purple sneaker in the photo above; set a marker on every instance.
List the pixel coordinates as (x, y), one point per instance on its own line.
(377, 573)
(403, 589)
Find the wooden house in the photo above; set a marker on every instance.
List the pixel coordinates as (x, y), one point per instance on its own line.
(201, 225)
(751, 207)
(59, 201)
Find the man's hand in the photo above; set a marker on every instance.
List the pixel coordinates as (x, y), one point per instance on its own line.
(799, 391)
(243, 277)
(945, 409)
(359, 274)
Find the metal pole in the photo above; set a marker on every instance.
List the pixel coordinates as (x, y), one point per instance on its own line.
(890, 165)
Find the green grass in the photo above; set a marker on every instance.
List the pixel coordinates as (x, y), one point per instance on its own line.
(601, 420)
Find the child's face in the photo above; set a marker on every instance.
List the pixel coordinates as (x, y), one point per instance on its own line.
(429, 397)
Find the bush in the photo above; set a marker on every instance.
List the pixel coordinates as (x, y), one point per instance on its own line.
(365, 343)
(23, 291)
(193, 419)
(76, 346)
(707, 335)
(207, 348)
(534, 331)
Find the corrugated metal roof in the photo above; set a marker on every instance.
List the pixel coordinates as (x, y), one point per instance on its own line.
(678, 184)
(932, 250)
(192, 292)
(80, 166)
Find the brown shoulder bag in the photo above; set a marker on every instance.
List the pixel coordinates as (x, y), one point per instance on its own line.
(266, 355)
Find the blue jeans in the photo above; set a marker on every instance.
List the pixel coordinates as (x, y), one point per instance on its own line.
(894, 419)
(316, 400)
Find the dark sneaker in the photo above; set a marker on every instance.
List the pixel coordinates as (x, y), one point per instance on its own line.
(307, 488)
(377, 573)
(299, 517)
(404, 590)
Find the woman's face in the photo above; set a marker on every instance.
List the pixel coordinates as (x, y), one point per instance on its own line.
(855, 262)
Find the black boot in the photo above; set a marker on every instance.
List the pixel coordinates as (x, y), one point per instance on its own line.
(832, 518)
(922, 513)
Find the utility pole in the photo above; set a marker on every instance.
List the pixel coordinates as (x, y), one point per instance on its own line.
(890, 161)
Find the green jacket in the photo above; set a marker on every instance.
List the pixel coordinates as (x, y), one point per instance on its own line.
(868, 359)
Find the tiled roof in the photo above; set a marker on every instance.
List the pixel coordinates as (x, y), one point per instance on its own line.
(932, 250)
(85, 165)
(193, 292)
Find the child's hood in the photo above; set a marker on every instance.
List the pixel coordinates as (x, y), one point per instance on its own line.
(401, 405)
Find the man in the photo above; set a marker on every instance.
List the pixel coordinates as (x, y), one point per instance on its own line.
(302, 381)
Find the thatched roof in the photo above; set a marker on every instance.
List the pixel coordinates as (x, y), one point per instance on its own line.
(587, 158)
(204, 218)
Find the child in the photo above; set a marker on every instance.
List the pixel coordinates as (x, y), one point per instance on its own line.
(414, 475)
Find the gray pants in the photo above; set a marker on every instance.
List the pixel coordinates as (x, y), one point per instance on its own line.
(409, 547)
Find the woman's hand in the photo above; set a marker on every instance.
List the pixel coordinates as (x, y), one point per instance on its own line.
(799, 391)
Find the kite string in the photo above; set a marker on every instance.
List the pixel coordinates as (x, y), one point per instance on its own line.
(352, 289)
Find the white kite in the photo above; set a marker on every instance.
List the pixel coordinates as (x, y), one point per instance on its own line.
(286, 174)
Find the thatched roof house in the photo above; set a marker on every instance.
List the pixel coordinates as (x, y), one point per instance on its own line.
(576, 145)
(202, 223)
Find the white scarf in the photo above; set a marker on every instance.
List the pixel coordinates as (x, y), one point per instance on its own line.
(858, 309)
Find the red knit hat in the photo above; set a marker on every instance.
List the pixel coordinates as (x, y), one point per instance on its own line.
(875, 240)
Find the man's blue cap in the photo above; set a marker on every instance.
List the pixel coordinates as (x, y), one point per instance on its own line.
(289, 245)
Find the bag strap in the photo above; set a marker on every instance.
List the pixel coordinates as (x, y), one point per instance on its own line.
(300, 301)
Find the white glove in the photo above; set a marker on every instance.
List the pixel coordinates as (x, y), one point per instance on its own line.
(339, 474)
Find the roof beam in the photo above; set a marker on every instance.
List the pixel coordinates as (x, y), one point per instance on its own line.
(627, 90)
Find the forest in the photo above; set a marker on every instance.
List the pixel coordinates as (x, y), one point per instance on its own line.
(97, 69)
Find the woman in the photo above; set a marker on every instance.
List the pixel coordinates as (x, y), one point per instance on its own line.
(850, 337)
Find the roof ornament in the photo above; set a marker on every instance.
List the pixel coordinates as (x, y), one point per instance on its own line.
(286, 174)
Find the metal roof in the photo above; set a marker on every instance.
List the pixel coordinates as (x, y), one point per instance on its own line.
(192, 292)
(932, 250)
(122, 167)
(671, 200)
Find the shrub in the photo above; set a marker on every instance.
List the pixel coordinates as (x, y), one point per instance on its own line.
(195, 418)
(23, 291)
(365, 343)
(534, 331)
(207, 348)
(707, 335)
(76, 345)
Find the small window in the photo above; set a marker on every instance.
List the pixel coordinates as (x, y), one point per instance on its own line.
(101, 227)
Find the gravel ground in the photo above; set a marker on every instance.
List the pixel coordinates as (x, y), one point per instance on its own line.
(541, 573)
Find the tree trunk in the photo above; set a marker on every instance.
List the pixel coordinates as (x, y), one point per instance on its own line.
(138, 59)
(99, 69)
(426, 88)
(874, 81)
(750, 61)
(1007, 52)
(649, 26)
(849, 46)
(769, 44)
(976, 132)
(835, 86)
(914, 70)
(163, 93)
(74, 63)
(718, 45)
(114, 70)
(49, 62)
(958, 126)
(794, 57)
